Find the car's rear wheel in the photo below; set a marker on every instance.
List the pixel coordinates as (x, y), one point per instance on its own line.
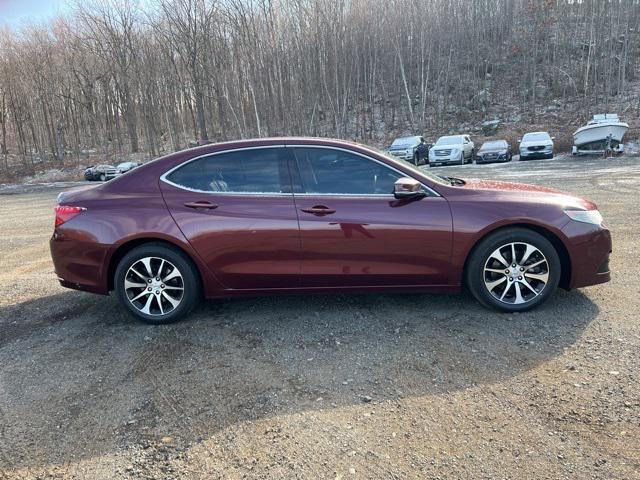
(514, 269)
(157, 284)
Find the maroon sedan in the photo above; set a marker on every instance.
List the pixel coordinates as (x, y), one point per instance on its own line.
(294, 215)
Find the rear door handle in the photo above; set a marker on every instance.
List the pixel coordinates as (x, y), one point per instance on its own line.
(201, 204)
(319, 210)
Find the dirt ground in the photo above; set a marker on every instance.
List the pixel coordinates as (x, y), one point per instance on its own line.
(378, 386)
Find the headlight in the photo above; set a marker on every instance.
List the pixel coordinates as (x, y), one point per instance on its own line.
(586, 216)
(454, 151)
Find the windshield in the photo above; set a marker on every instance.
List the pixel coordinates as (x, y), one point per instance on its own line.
(405, 141)
(450, 140)
(530, 137)
(494, 145)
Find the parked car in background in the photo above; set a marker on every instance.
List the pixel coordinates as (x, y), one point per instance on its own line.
(301, 215)
(536, 145)
(412, 149)
(452, 149)
(127, 166)
(494, 151)
(100, 172)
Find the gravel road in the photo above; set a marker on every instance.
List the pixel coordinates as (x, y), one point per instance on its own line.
(377, 386)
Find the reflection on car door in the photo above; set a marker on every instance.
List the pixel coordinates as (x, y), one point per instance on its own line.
(355, 233)
(237, 211)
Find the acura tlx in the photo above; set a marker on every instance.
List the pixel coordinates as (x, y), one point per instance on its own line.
(308, 215)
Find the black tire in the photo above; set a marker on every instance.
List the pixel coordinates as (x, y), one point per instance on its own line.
(190, 280)
(474, 272)
(103, 177)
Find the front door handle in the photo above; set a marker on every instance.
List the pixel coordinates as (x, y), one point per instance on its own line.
(201, 204)
(319, 210)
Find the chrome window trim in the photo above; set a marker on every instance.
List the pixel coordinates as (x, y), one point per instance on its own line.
(430, 192)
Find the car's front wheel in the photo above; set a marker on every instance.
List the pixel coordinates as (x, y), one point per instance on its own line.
(157, 284)
(514, 269)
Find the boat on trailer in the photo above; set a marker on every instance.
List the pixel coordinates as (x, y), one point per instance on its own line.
(604, 132)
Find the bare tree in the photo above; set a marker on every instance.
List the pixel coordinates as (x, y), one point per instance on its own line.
(122, 76)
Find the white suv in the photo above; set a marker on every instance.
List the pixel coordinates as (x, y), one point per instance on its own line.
(536, 145)
(452, 149)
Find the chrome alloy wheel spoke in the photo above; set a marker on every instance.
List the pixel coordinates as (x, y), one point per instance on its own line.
(148, 292)
(520, 280)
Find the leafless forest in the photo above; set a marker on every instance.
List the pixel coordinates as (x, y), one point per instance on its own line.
(116, 78)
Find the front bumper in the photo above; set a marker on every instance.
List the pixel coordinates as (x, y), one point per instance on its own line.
(444, 159)
(529, 155)
(402, 155)
(590, 248)
(481, 159)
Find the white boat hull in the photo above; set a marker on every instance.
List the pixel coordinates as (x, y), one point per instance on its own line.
(593, 134)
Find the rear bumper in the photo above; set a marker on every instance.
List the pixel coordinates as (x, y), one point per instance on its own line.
(591, 247)
(78, 262)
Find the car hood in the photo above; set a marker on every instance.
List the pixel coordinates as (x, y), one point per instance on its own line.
(537, 143)
(534, 193)
(404, 146)
(492, 150)
(447, 147)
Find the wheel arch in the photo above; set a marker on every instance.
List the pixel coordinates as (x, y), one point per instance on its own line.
(124, 248)
(554, 239)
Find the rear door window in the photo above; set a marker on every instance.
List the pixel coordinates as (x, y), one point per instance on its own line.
(256, 170)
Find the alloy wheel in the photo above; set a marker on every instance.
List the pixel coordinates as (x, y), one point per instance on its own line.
(154, 286)
(516, 273)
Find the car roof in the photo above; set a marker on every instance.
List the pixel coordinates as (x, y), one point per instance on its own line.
(265, 141)
(210, 148)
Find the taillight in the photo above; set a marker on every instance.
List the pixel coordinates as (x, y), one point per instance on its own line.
(64, 213)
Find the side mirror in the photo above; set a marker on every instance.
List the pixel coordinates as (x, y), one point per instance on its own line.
(553, 138)
(519, 140)
(407, 187)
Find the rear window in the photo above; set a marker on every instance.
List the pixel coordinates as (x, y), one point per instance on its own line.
(261, 170)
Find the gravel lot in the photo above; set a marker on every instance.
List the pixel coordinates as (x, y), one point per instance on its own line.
(378, 386)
